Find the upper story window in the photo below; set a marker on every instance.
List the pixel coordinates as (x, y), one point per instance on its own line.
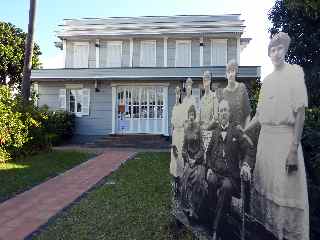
(80, 54)
(148, 53)
(183, 53)
(218, 52)
(111, 54)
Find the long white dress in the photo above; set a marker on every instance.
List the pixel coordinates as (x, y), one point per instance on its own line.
(176, 164)
(280, 200)
(208, 108)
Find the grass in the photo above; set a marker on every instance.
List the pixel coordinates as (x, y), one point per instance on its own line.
(20, 175)
(132, 203)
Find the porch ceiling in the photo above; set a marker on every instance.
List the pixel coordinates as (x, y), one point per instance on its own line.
(139, 73)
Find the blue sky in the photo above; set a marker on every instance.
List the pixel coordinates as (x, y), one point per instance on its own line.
(50, 13)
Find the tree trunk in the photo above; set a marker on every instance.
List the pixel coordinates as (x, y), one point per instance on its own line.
(28, 53)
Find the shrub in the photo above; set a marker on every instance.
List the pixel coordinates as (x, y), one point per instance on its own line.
(59, 125)
(26, 129)
(16, 124)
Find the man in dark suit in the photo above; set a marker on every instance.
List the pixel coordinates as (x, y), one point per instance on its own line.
(224, 164)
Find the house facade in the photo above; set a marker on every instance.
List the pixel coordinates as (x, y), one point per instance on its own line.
(120, 73)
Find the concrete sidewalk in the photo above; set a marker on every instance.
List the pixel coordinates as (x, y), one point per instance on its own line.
(25, 213)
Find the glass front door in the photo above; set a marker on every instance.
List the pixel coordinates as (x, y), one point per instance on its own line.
(140, 110)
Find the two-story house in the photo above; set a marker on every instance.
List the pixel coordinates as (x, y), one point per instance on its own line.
(120, 73)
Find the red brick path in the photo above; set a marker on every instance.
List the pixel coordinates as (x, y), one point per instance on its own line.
(25, 213)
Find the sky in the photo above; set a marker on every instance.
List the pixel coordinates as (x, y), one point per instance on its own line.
(50, 13)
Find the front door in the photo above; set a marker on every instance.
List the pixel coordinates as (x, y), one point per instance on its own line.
(141, 109)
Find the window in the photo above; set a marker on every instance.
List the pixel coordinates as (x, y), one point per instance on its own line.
(183, 53)
(111, 54)
(80, 54)
(218, 52)
(148, 53)
(76, 100)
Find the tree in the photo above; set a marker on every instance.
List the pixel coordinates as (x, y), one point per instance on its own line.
(300, 19)
(27, 65)
(12, 46)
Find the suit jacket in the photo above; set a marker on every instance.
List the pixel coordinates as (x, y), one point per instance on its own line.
(236, 151)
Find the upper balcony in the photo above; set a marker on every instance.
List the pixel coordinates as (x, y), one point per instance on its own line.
(165, 41)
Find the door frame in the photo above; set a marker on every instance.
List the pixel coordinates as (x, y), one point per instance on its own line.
(165, 85)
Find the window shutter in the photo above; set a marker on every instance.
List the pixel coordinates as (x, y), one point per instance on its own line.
(218, 52)
(183, 54)
(85, 101)
(63, 99)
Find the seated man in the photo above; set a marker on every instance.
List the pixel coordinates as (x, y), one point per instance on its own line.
(224, 161)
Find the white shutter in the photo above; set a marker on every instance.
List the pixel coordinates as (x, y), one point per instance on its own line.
(218, 52)
(183, 53)
(36, 91)
(114, 54)
(148, 53)
(80, 54)
(63, 99)
(85, 101)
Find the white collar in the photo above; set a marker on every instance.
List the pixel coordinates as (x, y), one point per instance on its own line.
(224, 127)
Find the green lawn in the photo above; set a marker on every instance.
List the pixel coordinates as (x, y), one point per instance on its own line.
(20, 175)
(132, 203)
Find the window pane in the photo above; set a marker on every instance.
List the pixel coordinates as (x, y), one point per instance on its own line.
(183, 53)
(79, 107)
(144, 112)
(160, 112)
(80, 55)
(148, 54)
(114, 54)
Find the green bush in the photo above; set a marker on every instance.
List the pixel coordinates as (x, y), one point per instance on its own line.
(26, 129)
(313, 118)
(17, 122)
(59, 125)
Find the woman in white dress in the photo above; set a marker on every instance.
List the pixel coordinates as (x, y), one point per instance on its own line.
(208, 109)
(189, 99)
(279, 197)
(176, 164)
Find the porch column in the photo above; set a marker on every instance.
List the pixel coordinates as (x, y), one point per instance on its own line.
(165, 112)
(97, 53)
(165, 52)
(114, 104)
(131, 53)
(201, 51)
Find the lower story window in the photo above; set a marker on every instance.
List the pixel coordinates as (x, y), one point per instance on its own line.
(76, 101)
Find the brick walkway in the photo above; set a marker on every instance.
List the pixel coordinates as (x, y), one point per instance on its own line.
(25, 213)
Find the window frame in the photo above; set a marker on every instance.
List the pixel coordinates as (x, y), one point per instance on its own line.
(212, 42)
(74, 46)
(154, 42)
(176, 52)
(121, 55)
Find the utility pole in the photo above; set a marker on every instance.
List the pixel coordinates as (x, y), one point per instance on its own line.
(28, 53)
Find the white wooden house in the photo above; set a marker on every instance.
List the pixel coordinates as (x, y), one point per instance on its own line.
(120, 73)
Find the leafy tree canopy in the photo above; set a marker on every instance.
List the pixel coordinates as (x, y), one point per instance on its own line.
(12, 45)
(300, 19)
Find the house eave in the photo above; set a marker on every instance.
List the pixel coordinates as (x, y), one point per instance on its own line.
(150, 74)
